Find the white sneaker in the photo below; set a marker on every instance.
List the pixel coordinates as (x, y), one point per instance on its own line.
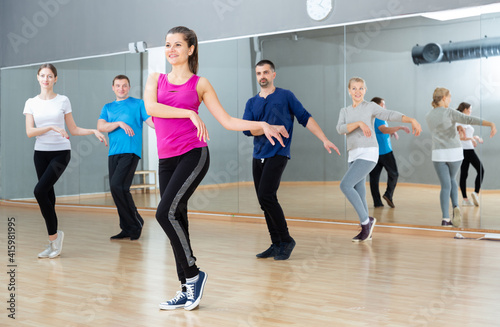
(475, 199)
(467, 203)
(179, 301)
(45, 253)
(457, 217)
(57, 245)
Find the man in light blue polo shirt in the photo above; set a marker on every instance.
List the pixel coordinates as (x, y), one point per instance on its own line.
(122, 119)
(385, 160)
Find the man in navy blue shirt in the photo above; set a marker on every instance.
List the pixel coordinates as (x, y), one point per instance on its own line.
(275, 106)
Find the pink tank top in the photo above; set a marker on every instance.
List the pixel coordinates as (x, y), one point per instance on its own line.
(176, 136)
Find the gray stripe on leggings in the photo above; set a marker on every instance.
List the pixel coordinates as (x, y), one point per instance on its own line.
(171, 213)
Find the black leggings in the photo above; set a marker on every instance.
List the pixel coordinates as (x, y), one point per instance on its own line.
(49, 167)
(179, 177)
(471, 158)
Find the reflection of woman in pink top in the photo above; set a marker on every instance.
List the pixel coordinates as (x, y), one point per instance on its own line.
(173, 101)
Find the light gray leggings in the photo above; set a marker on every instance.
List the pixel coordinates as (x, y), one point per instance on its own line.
(447, 174)
(353, 185)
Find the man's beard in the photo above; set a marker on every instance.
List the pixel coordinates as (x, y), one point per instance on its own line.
(264, 82)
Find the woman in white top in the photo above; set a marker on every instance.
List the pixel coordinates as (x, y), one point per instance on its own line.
(469, 142)
(46, 115)
(447, 153)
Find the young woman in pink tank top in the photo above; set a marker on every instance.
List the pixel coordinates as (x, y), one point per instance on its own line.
(173, 101)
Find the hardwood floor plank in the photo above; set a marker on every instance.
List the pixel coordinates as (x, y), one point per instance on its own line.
(395, 280)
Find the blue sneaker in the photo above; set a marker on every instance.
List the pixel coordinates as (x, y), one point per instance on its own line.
(179, 301)
(195, 291)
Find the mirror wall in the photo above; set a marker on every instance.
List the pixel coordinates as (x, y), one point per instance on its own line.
(87, 83)
(315, 65)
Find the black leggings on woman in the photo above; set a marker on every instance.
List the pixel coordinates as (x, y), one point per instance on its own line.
(49, 167)
(471, 158)
(179, 177)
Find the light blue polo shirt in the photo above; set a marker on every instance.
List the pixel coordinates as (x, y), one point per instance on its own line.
(132, 112)
(384, 140)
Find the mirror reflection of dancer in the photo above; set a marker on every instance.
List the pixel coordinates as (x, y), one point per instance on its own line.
(469, 142)
(356, 122)
(385, 159)
(123, 119)
(46, 115)
(173, 100)
(447, 152)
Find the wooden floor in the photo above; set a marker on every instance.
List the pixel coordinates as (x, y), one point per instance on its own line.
(398, 279)
(416, 205)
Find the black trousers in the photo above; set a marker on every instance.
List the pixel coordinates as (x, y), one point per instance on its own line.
(471, 158)
(49, 167)
(388, 162)
(179, 177)
(267, 177)
(121, 173)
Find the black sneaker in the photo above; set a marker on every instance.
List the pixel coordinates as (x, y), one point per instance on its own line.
(271, 252)
(285, 250)
(446, 223)
(366, 231)
(136, 235)
(389, 201)
(357, 237)
(120, 236)
(140, 220)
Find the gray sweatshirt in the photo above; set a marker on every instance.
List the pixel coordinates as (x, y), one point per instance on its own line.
(442, 124)
(365, 112)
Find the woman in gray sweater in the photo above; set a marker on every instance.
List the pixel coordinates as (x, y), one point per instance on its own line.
(356, 122)
(447, 153)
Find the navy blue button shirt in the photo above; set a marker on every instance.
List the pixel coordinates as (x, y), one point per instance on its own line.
(279, 108)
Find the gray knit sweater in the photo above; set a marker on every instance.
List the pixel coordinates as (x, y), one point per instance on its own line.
(365, 112)
(442, 124)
